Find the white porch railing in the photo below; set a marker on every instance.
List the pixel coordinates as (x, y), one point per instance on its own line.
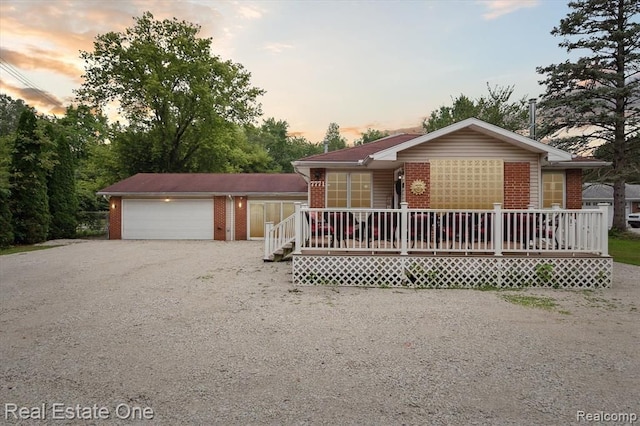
(403, 231)
(276, 237)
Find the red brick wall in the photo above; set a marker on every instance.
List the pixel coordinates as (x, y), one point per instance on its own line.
(574, 188)
(414, 171)
(240, 206)
(317, 189)
(115, 218)
(219, 218)
(517, 185)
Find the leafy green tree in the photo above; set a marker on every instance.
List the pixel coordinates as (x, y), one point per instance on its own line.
(333, 139)
(370, 135)
(281, 148)
(175, 94)
(598, 94)
(496, 108)
(89, 135)
(29, 203)
(61, 190)
(300, 147)
(6, 219)
(10, 110)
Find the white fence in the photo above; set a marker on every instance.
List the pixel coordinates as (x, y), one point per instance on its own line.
(489, 232)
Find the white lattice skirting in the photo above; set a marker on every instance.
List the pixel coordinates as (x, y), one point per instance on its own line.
(453, 271)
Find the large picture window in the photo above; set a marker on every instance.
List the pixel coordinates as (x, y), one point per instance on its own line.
(350, 190)
(552, 189)
(466, 184)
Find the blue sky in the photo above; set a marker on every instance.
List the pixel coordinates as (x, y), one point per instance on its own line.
(361, 64)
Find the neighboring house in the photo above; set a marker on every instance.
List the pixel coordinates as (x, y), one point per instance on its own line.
(595, 193)
(205, 206)
(470, 165)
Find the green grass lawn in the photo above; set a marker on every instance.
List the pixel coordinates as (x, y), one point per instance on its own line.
(625, 248)
(21, 249)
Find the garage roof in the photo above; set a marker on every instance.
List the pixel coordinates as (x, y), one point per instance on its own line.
(604, 192)
(209, 184)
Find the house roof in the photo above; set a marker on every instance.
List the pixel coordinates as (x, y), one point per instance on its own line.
(387, 149)
(604, 192)
(209, 184)
(361, 152)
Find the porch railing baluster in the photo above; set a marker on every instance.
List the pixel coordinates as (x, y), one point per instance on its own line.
(433, 231)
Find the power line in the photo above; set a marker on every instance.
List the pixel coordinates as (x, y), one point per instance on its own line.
(15, 73)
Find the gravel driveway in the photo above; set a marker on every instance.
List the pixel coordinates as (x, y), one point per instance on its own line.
(206, 333)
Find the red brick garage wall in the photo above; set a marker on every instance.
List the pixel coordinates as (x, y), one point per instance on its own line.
(517, 185)
(240, 206)
(219, 218)
(574, 188)
(115, 218)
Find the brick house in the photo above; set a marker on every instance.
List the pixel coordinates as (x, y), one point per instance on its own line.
(470, 164)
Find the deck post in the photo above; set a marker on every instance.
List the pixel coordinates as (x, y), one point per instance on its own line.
(604, 228)
(297, 249)
(268, 240)
(497, 229)
(404, 228)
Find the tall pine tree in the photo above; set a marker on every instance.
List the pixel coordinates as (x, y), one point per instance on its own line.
(599, 93)
(29, 203)
(63, 201)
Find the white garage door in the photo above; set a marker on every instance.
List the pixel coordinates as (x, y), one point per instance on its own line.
(159, 219)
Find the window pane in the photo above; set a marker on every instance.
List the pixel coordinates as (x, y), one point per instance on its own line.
(272, 211)
(336, 189)
(256, 213)
(360, 190)
(552, 189)
(288, 209)
(466, 184)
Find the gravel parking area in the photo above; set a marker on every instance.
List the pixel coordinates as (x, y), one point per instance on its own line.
(183, 332)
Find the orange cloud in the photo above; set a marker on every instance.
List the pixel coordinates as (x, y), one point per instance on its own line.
(39, 60)
(41, 100)
(354, 130)
(66, 27)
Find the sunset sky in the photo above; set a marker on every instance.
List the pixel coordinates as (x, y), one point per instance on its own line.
(362, 64)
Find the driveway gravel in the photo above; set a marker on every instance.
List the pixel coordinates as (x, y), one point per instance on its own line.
(187, 332)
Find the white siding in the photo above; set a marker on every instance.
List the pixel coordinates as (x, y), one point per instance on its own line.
(382, 188)
(469, 144)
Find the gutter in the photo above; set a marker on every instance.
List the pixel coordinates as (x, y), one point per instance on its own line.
(202, 194)
(576, 164)
(326, 165)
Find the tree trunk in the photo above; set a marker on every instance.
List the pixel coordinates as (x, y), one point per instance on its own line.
(619, 210)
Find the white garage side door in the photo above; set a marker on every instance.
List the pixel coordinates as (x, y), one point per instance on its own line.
(158, 219)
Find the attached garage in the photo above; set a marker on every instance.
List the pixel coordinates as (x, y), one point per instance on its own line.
(167, 219)
(200, 206)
